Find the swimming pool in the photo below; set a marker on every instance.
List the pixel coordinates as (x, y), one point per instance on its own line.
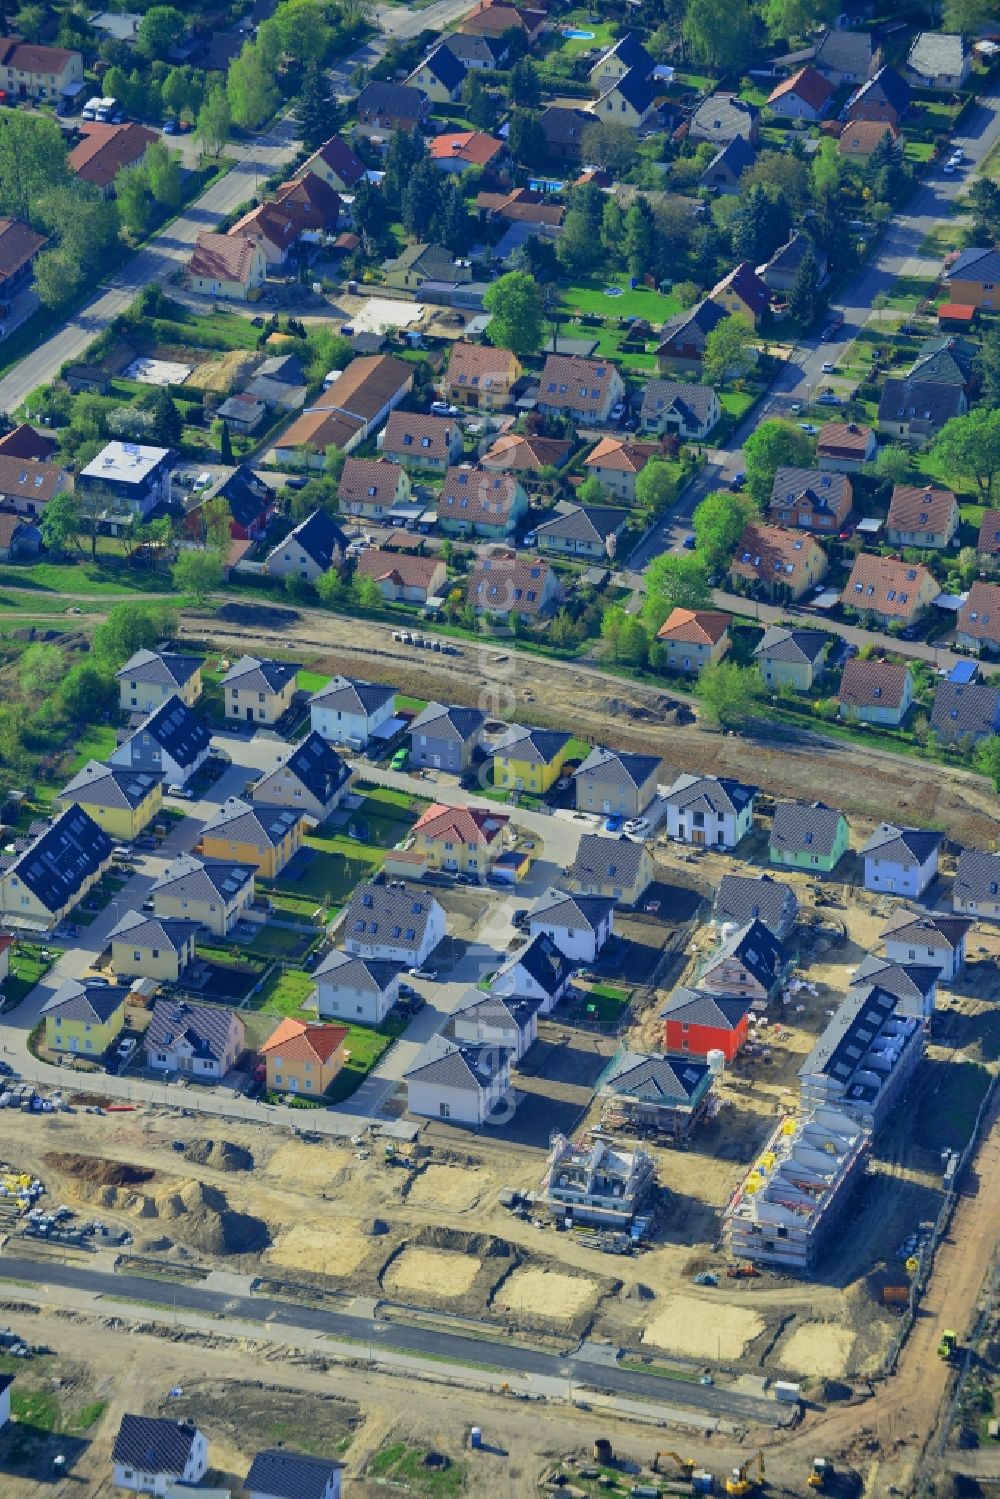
(573, 34)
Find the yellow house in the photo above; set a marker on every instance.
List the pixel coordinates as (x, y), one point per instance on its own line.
(627, 100)
(148, 678)
(265, 837)
(84, 1018)
(55, 871)
(464, 839)
(152, 947)
(440, 75)
(228, 265)
(481, 377)
(304, 1059)
(530, 759)
(261, 691)
(215, 892)
(122, 802)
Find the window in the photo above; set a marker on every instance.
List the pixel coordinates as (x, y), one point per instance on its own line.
(444, 1110)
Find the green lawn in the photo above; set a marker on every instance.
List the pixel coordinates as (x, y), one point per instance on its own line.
(96, 742)
(403, 1467)
(589, 297)
(273, 941)
(208, 330)
(82, 578)
(736, 403)
(582, 19)
(608, 344)
(608, 1002)
(312, 681)
(27, 968)
(406, 704)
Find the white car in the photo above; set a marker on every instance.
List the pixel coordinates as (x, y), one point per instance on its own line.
(795, 407)
(637, 825)
(957, 156)
(949, 169)
(808, 429)
(126, 1049)
(182, 792)
(828, 367)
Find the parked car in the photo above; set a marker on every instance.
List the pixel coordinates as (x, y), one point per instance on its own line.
(127, 1047)
(690, 542)
(520, 916)
(809, 429)
(613, 824)
(466, 879)
(421, 973)
(182, 792)
(170, 127)
(637, 825)
(400, 759)
(442, 408)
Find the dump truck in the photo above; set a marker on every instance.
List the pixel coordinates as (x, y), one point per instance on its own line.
(822, 1472)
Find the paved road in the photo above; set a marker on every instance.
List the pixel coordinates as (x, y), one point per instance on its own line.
(896, 256)
(431, 1342)
(401, 23)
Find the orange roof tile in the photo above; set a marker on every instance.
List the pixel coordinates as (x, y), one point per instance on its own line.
(694, 626)
(305, 1043)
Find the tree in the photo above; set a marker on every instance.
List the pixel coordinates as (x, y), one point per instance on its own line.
(730, 694)
(674, 581)
(656, 485)
(579, 249)
(40, 668)
(719, 522)
(804, 297)
(225, 445)
(984, 200)
(198, 573)
(987, 759)
(894, 462)
(303, 30)
(965, 16)
(640, 238)
(160, 29)
(315, 108)
(163, 173)
(32, 161)
(214, 121)
(480, 103)
(216, 523)
(771, 446)
(592, 491)
(86, 692)
(728, 349)
(422, 199)
(827, 168)
(761, 223)
(612, 228)
(880, 302)
(368, 593)
(452, 224)
(175, 92)
(60, 522)
(970, 446)
(514, 303)
(718, 32)
(251, 89)
(795, 18)
(135, 206)
(130, 628)
(331, 589)
(525, 88)
(526, 138)
(611, 145)
(987, 366)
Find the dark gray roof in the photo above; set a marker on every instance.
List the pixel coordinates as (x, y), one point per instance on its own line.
(845, 1045)
(446, 721)
(637, 768)
(55, 864)
(253, 823)
(498, 1010)
(655, 1078)
(387, 913)
(965, 708)
(206, 1028)
(388, 99)
(946, 361)
(635, 87)
(159, 668)
(348, 695)
(178, 732)
(945, 933)
(289, 1475)
(745, 897)
(153, 1444)
(446, 67)
(690, 401)
(805, 828)
(845, 51)
(473, 49)
(320, 538)
(904, 980)
(533, 745)
(716, 794)
(254, 675)
(119, 786)
(936, 52)
(922, 401)
(629, 50)
(978, 875)
(737, 155)
(978, 263)
(76, 1000)
(316, 765)
(602, 860)
(824, 490)
(373, 975)
(696, 1007)
(167, 932)
(558, 909)
(721, 116)
(693, 326)
(451, 1064)
(543, 961)
(757, 950)
(906, 846)
(789, 256)
(588, 523)
(204, 879)
(887, 85)
(799, 647)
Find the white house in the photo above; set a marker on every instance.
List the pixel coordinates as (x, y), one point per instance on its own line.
(360, 991)
(200, 1040)
(391, 922)
(714, 811)
(976, 891)
(900, 861)
(172, 741)
(350, 712)
(6, 1380)
(934, 941)
(151, 1454)
(279, 1474)
(491, 1020)
(579, 925)
(540, 971)
(461, 1083)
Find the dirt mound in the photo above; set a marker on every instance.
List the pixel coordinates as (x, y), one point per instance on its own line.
(222, 1155)
(484, 1246)
(96, 1171)
(638, 1292)
(153, 1244)
(373, 1228)
(203, 1217)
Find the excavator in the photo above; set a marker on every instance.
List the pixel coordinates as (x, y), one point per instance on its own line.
(739, 1483)
(686, 1464)
(822, 1472)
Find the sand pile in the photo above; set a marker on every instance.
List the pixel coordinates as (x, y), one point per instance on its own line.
(199, 1214)
(691, 1326)
(821, 1348)
(221, 1155)
(96, 1171)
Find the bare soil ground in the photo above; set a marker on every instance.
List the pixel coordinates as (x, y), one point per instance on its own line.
(549, 1295)
(441, 1274)
(703, 1328)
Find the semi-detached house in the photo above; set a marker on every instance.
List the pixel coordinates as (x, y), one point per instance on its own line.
(616, 782)
(171, 741)
(213, 892)
(585, 389)
(351, 408)
(446, 736)
(371, 488)
(356, 989)
(30, 70)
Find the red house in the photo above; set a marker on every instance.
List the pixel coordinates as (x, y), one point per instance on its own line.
(698, 1023)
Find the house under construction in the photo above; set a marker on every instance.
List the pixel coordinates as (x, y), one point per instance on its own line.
(596, 1183)
(794, 1195)
(647, 1093)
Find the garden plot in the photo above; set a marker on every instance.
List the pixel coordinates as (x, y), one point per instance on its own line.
(158, 371)
(690, 1326)
(549, 1294)
(443, 1274)
(819, 1348)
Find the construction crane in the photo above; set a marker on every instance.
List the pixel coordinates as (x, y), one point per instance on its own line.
(739, 1482)
(686, 1464)
(822, 1472)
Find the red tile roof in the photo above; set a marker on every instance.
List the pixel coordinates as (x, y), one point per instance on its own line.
(913, 508)
(226, 257)
(18, 246)
(527, 454)
(873, 578)
(980, 614)
(694, 626)
(469, 825)
(861, 137)
(473, 146)
(620, 454)
(405, 572)
(268, 221)
(869, 683)
(305, 1043)
(772, 553)
(843, 440)
(106, 149)
(809, 85)
(989, 533)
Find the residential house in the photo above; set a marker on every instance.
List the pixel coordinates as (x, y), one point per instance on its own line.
(711, 811)
(104, 151)
(84, 1019)
(810, 500)
(23, 441)
(723, 117)
(480, 502)
(151, 1454)
(275, 232)
(525, 206)
(939, 60)
(350, 712)
(251, 502)
(392, 106)
(973, 278)
(170, 741)
(848, 56)
(483, 52)
(884, 589)
(585, 389)
(878, 692)
(228, 265)
(865, 1058)
(563, 127)
(916, 410)
(965, 712)
(348, 410)
(277, 1473)
(698, 1023)
(948, 361)
(444, 736)
(791, 658)
(464, 840)
(417, 264)
(309, 551)
(933, 941)
(259, 691)
(507, 584)
(121, 801)
(313, 780)
(627, 101)
(458, 1082)
(624, 55)
(530, 759)
(371, 488)
(646, 1093)
(481, 377)
(742, 898)
(497, 17)
(305, 1059)
(782, 270)
(310, 204)
(750, 963)
(540, 971)
(462, 149)
(19, 247)
(988, 540)
(579, 925)
(805, 95)
(684, 410)
(779, 563)
(809, 836)
(922, 517)
(617, 462)
(56, 869)
(683, 338)
(242, 413)
(742, 291)
(495, 1020)
(148, 678)
(524, 454)
(402, 578)
(860, 139)
(617, 867)
(693, 639)
(31, 70)
(212, 892)
(137, 474)
(335, 164)
(390, 922)
(723, 173)
(884, 98)
(264, 837)
(26, 486)
(440, 76)
(842, 447)
(582, 531)
(979, 619)
(18, 538)
(914, 985)
(360, 990)
(616, 782)
(203, 1040)
(597, 1183)
(152, 947)
(418, 441)
(900, 861)
(976, 889)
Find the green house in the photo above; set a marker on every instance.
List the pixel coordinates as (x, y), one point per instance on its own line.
(808, 835)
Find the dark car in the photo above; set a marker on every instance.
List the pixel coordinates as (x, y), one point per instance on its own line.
(520, 916)
(690, 542)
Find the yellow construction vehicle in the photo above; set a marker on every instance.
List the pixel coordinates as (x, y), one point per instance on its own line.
(948, 1346)
(686, 1464)
(822, 1472)
(739, 1482)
